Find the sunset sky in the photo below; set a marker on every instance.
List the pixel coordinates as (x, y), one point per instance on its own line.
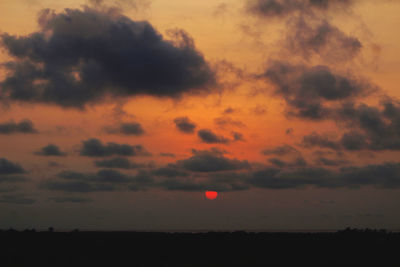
(120, 114)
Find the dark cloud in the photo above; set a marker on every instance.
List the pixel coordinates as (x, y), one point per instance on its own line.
(297, 162)
(289, 131)
(310, 92)
(331, 162)
(207, 170)
(8, 188)
(207, 136)
(230, 110)
(51, 150)
(95, 148)
(171, 171)
(11, 127)
(226, 121)
(82, 56)
(323, 141)
(210, 161)
(366, 128)
(375, 128)
(237, 136)
(184, 124)
(308, 37)
(70, 199)
(188, 186)
(128, 128)
(259, 110)
(104, 176)
(284, 8)
(119, 163)
(76, 186)
(280, 150)
(8, 167)
(101, 181)
(386, 175)
(167, 155)
(12, 179)
(15, 199)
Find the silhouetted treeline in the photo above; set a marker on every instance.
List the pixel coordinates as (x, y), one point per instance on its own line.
(349, 247)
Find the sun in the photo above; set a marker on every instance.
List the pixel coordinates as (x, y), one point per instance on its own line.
(211, 195)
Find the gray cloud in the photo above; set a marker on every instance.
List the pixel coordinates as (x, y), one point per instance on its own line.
(119, 163)
(102, 181)
(280, 150)
(127, 128)
(366, 128)
(8, 167)
(70, 199)
(297, 162)
(227, 121)
(82, 56)
(284, 8)
(51, 150)
(312, 92)
(209, 137)
(95, 148)
(331, 162)
(11, 127)
(316, 140)
(76, 186)
(210, 161)
(307, 37)
(15, 199)
(167, 155)
(386, 175)
(185, 125)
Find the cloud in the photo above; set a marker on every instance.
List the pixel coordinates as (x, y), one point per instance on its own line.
(366, 128)
(331, 162)
(8, 167)
(210, 161)
(230, 110)
(104, 176)
(313, 92)
(280, 150)
(70, 199)
(128, 128)
(83, 56)
(51, 150)
(226, 121)
(386, 175)
(185, 125)
(297, 162)
(207, 136)
(237, 136)
(102, 181)
(171, 171)
(119, 163)
(94, 148)
(167, 155)
(323, 141)
(11, 127)
(307, 37)
(285, 8)
(14, 199)
(12, 179)
(76, 186)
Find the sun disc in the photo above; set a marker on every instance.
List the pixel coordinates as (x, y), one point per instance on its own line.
(211, 195)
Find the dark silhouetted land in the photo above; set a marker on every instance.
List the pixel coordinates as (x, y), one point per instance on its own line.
(349, 247)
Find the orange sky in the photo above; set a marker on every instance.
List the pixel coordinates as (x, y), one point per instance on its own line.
(218, 31)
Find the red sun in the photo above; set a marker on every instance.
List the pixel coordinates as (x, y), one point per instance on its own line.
(211, 195)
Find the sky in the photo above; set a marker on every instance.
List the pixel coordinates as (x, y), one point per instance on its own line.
(121, 114)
